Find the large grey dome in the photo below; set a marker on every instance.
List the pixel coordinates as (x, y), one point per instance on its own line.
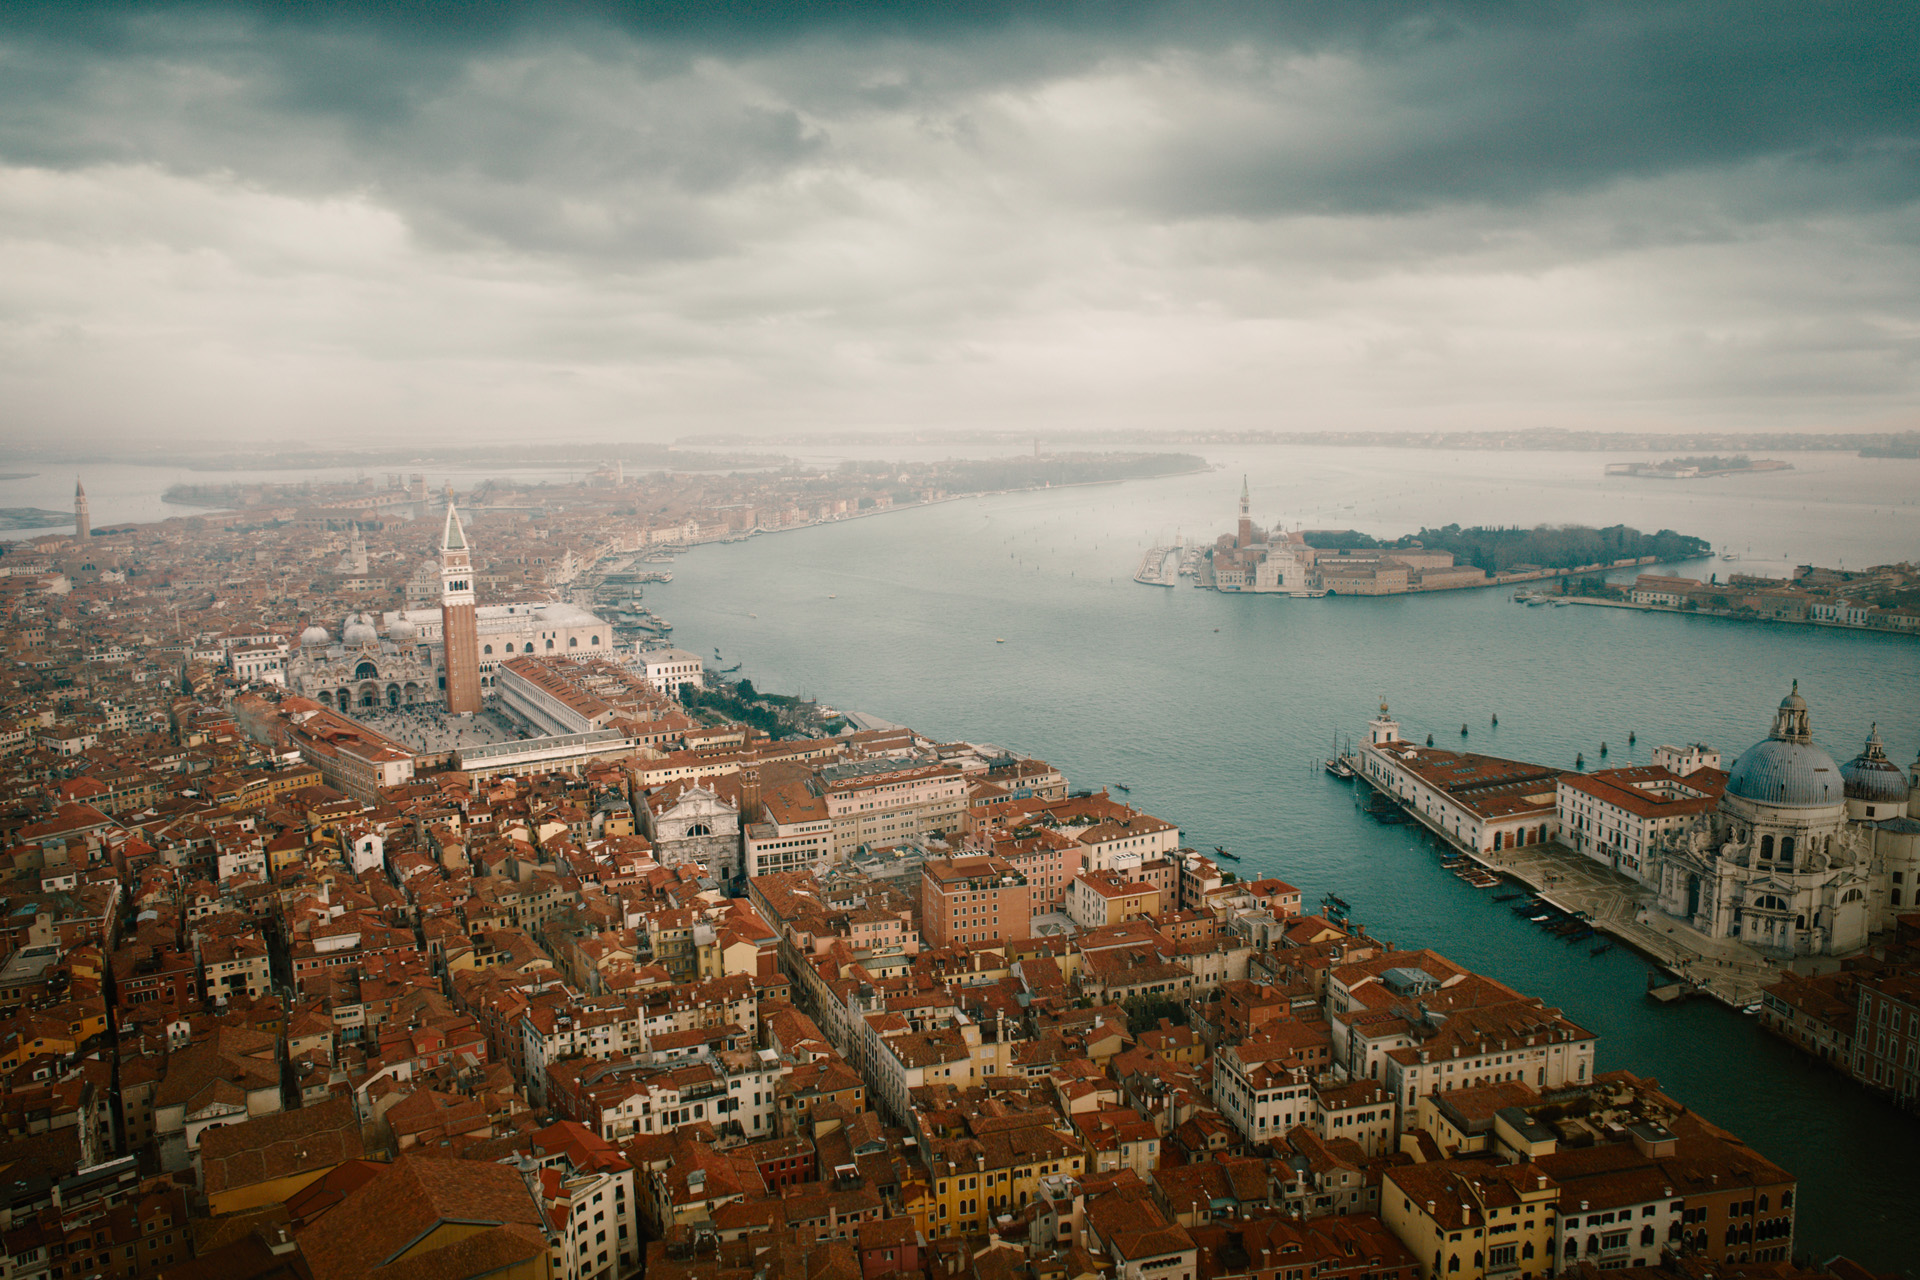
(1795, 774)
(359, 630)
(1787, 769)
(1870, 776)
(314, 635)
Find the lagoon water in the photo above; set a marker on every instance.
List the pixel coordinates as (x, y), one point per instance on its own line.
(1216, 709)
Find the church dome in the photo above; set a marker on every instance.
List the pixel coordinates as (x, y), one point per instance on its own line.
(315, 635)
(1870, 776)
(359, 630)
(402, 632)
(1787, 769)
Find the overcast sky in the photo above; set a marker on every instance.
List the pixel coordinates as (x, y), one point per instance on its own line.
(226, 222)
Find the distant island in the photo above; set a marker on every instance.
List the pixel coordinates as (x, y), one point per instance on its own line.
(1697, 468)
(33, 518)
(19, 475)
(1498, 550)
(1879, 444)
(1885, 597)
(1330, 562)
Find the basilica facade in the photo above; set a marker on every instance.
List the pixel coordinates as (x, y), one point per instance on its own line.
(363, 669)
(1801, 856)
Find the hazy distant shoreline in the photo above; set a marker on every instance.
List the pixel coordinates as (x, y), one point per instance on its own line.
(1869, 444)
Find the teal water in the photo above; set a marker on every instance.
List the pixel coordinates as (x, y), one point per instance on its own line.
(1215, 709)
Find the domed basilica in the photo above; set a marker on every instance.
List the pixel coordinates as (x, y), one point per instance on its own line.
(361, 669)
(1802, 856)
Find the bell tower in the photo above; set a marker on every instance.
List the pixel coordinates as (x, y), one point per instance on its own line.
(458, 626)
(82, 518)
(1245, 537)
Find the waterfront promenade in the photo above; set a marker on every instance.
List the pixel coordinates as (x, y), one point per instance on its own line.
(1721, 968)
(1621, 908)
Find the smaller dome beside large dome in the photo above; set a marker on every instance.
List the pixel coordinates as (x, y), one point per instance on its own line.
(359, 630)
(315, 635)
(401, 631)
(1870, 776)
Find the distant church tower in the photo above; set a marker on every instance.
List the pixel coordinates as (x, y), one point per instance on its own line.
(82, 518)
(457, 624)
(1246, 516)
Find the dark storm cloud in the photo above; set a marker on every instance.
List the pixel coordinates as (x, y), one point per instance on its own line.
(948, 211)
(1446, 102)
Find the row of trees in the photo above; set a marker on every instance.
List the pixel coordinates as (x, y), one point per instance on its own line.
(1545, 546)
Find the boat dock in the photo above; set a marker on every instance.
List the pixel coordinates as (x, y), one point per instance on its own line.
(1612, 904)
(1154, 570)
(1720, 968)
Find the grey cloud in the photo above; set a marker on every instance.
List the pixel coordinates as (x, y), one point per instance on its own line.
(947, 213)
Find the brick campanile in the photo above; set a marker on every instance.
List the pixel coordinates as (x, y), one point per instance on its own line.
(458, 627)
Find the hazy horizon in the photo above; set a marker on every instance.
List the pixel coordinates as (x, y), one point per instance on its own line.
(263, 225)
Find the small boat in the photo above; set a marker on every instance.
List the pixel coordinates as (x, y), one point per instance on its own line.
(1220, 851)
(1505, 897)
(832, 596)
(1496, 720)
(1541, 919)
(1463, 731)
(1338, 901)
(1600, 950)
(1121, 786)
(1338, 768)
(1751, 1010)
(999, 639)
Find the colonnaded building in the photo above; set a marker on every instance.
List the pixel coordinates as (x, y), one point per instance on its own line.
(1802, 856)
(407, 666)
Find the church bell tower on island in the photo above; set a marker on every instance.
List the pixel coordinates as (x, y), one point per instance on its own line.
(458, 627)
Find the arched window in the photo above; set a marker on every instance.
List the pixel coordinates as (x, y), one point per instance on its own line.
(1763, 1204)
(486, 648)
(366, 671)
(1646, 1235)
(1453, 1263)
(1786, 1199)
(549, 644)
(1766, 846)
(699, 829)
(573, 642)
(595, 641)
(529, 646)
(1786, 848)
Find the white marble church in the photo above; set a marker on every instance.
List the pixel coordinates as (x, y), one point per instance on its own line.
(1802, 856)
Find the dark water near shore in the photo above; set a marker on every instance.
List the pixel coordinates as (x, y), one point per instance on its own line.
(1215, 709)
